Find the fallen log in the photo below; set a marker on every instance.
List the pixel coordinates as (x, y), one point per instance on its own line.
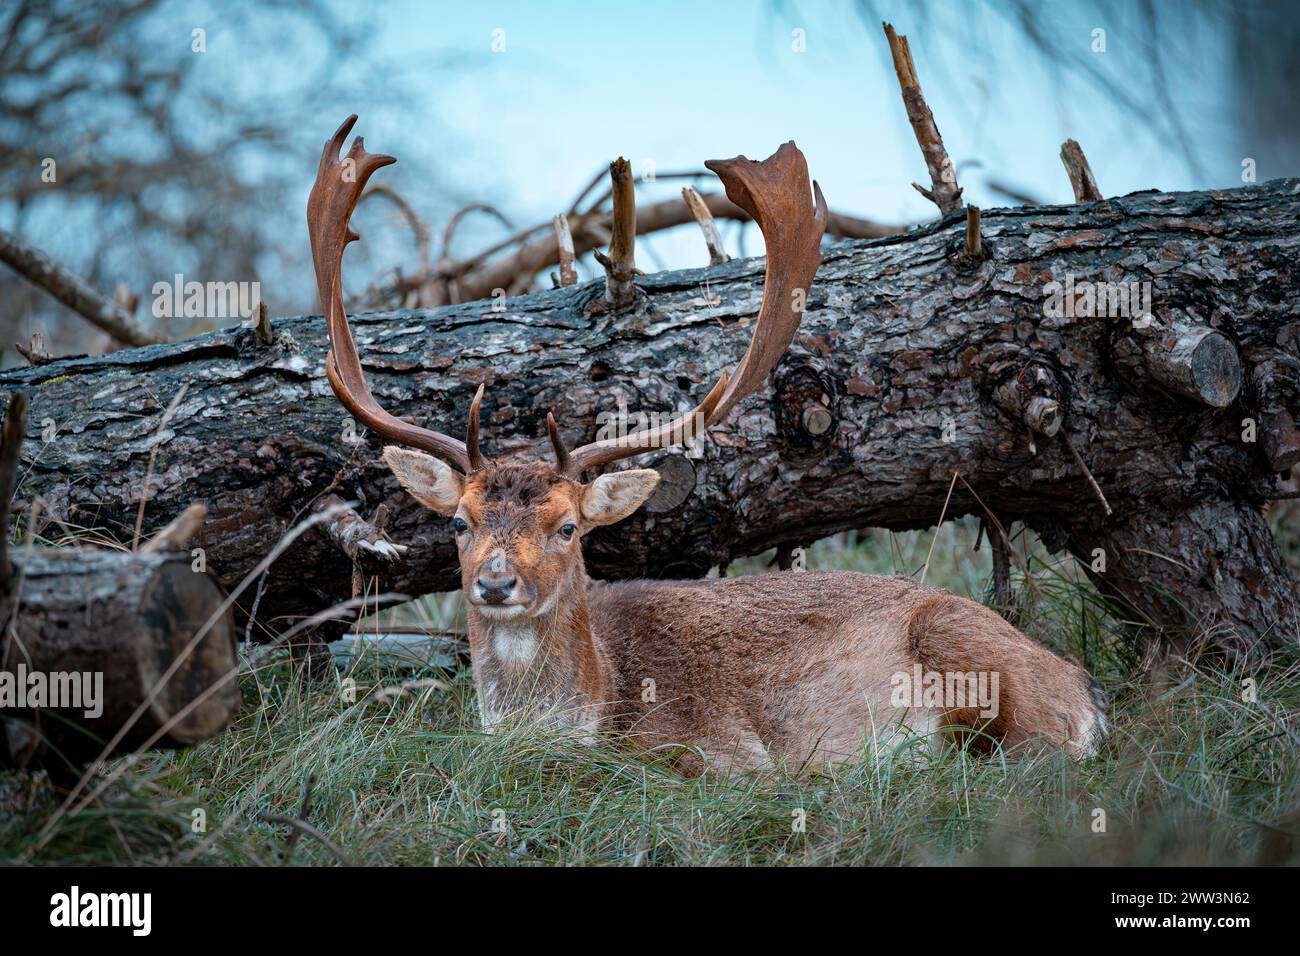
(94, 631)
(1022, 382)
(101, 650)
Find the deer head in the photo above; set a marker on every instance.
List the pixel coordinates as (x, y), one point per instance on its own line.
(518, 524)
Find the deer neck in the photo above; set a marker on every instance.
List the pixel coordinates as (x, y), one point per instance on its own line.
(547, 667)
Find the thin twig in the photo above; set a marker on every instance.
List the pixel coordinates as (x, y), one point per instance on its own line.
(418, 225)
(305, 827)
(459, 214)
(296, 832)
(952, 484)
(1078, 460)
(586, 191)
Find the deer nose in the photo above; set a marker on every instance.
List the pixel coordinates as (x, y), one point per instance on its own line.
(495, 588)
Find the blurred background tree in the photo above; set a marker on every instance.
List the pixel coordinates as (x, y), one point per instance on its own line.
(148, 138)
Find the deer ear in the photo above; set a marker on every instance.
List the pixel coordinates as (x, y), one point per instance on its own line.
(613, 497)
(431, 482)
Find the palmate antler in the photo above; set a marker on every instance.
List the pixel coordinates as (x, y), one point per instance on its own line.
(774, 192)
(339, 184)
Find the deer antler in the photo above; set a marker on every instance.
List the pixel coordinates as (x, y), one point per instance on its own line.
(775, 193)
(339, 184)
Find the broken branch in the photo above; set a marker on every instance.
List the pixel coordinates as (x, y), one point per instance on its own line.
(620, 263)
(944, 191)
(1081, 178)
(355, 536)
(564, 239)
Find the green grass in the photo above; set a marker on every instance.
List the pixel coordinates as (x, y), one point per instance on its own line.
(1194, 774)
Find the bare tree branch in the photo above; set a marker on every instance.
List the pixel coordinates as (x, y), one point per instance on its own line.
(72, 290)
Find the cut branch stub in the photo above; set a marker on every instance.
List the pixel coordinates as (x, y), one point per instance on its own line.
(620, 263)
(944, 191)
(1032, 395)
(1280, 439)
(805, 398)
(1081, 178)
(1190, 360)
(974, 242)
(260, 323)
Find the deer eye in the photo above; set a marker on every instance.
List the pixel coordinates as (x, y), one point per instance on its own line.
(568, 529)
(458, 525)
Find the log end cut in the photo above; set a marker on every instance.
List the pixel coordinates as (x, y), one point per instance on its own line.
(1215, 369)
(1197, 363)
(175, 606)
(108, 628)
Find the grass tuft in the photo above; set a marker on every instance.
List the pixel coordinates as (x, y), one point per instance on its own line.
(399, 773)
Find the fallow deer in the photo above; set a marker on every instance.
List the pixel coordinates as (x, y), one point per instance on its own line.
(741, 672)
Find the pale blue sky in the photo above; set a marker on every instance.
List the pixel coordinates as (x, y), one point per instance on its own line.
(681, 82)
(678, 82)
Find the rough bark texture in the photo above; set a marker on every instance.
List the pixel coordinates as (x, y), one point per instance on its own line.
(906, 343)
(128, 617)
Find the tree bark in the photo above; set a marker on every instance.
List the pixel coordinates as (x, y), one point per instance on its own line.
(915, 363)
(123, 619)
